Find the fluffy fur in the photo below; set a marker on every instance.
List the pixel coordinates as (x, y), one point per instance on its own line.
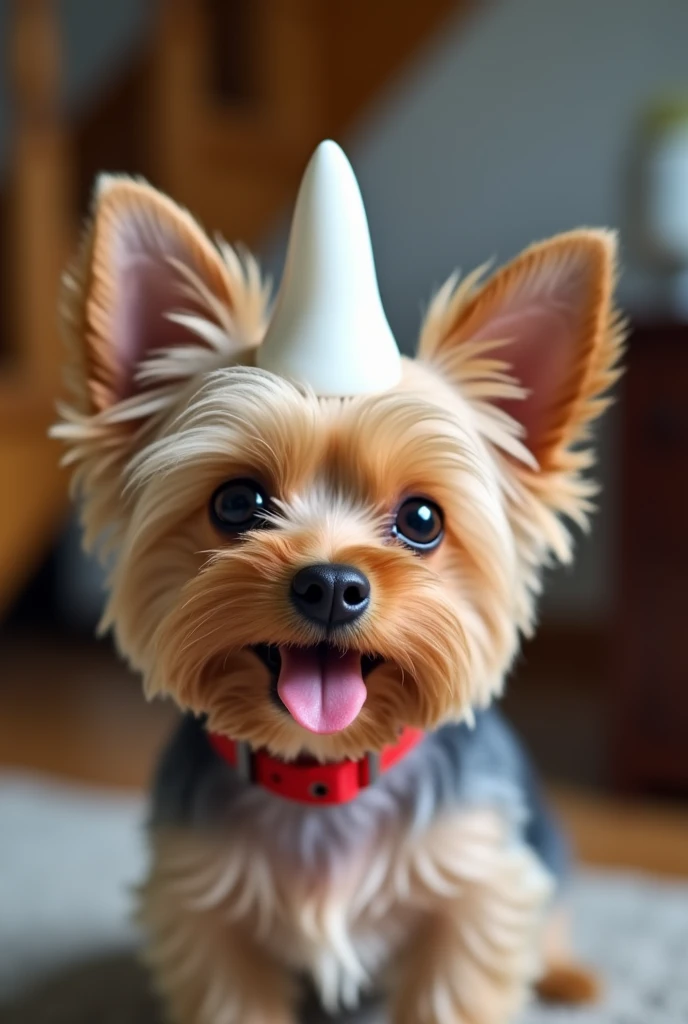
(492, 422)
(475, 902)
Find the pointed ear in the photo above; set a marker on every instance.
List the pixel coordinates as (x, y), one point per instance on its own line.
(143, 260)
(539, 342)
(149, 304)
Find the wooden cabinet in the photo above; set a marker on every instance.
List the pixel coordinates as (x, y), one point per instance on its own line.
(650, 693)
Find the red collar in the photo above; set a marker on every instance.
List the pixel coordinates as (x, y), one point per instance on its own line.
(307, 781)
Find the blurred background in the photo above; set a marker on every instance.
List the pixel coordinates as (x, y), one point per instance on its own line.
(475, 127)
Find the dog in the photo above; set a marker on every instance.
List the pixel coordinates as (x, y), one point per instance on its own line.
(326, 555)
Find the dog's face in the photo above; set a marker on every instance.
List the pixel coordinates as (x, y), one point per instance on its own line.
(313, 574)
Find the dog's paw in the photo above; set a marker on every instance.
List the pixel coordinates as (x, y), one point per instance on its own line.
(569, 983)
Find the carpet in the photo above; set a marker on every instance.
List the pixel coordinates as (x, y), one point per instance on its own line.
(69, 856)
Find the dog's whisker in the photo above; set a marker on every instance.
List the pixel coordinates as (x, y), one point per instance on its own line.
(194, 641)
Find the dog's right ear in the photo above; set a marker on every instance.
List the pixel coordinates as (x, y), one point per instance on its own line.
(143, 261)
(149, 303)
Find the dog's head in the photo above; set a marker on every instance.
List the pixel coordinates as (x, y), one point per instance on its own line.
(314, 573)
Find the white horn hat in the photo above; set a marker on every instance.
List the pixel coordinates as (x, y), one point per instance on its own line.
(329, 329)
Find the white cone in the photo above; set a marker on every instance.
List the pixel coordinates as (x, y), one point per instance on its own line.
(329, 329)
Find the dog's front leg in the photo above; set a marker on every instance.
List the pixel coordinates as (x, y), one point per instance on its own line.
(207, 967)
(477, 949)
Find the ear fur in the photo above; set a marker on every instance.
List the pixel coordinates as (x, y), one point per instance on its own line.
(141, 258)
(149, 303)
(535, 350)
(549, 316)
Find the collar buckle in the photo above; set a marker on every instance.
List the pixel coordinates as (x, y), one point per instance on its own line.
(244, 761)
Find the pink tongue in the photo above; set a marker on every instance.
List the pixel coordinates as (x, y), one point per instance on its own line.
(322, 689)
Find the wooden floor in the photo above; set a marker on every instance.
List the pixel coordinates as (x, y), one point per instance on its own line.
(72, 710)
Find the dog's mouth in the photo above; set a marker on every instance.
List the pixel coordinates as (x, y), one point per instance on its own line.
(322, 687)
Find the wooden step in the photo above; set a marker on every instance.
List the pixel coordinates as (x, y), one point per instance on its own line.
(306, 71)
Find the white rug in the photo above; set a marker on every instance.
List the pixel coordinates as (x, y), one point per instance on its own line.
(68, 858)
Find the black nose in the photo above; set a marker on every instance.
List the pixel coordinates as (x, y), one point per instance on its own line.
(330, 594)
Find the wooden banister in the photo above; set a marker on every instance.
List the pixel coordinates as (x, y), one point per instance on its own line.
(37, 241)
(39, 229)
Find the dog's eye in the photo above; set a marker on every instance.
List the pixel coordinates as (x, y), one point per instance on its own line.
(419, 524)
(238, 505)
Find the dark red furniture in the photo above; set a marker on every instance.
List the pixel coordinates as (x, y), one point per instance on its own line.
(650, 693)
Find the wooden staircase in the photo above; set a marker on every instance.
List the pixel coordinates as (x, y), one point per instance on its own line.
(222, 112)
(37, 238)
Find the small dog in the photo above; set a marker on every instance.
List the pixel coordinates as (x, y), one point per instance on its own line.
(325, 554)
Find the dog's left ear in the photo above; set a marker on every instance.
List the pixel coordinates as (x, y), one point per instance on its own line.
(538, 341)
(534, 351)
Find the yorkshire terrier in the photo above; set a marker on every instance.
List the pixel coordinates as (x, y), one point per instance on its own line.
(326, 555)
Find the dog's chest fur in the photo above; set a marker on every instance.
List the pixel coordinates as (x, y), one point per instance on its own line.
(336, 892)
(331, 909)
(334, 908)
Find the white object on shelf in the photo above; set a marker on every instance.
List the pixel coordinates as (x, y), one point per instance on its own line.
(667, 194)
